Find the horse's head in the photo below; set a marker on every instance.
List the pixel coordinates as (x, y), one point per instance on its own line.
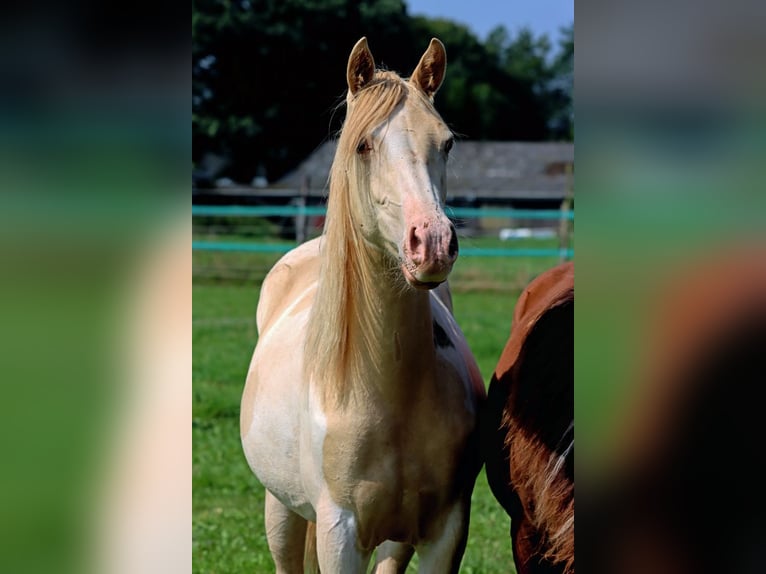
(397, 147)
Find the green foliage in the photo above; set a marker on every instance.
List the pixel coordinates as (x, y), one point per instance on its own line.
(545, 78)
(268, 77)
(562, 115)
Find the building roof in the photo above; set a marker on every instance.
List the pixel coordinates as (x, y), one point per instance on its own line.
(476, 169)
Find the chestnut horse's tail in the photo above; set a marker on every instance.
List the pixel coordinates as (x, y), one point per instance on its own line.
(310, 560)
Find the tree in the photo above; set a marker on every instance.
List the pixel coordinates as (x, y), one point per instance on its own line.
(267, 74)
(544, 78)
(269, 77)
(562, 87)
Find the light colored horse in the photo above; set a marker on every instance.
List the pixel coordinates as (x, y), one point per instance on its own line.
(359, 412)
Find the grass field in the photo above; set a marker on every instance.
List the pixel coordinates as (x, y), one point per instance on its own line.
(228, 530)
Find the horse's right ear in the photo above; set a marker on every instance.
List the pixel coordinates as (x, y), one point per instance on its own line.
(361, 66)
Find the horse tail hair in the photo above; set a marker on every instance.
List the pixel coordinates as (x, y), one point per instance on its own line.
(310, 560)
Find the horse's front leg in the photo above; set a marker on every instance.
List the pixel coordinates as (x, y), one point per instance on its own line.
(337, 548)
(286, 535)
(392, 557)
(444, 554)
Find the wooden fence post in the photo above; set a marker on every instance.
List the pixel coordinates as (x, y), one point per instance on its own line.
(564, 221)
(301, 220)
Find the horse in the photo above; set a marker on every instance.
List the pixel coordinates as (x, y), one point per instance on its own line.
(360, 409)
(528, 425)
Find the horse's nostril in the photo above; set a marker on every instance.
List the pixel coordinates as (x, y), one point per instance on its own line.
(453, 246)
(414, 245)
(414, 239)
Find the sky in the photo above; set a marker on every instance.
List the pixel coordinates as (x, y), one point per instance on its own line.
(541, 16)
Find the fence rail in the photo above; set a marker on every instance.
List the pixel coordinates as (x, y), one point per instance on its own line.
(301, 213)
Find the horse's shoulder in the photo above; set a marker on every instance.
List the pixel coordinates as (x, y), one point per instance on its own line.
(450, 342)
(288, 279)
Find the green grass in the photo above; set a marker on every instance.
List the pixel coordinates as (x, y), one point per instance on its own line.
(228, 530)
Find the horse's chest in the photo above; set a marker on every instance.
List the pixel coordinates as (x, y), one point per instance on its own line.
(397, 480)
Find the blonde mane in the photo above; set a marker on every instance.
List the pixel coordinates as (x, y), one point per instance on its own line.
(350, 266)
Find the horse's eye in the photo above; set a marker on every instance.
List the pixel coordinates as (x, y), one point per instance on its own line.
(363, 147)
(448, 145)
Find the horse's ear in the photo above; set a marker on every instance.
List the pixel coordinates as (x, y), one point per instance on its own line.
(361, 66)
(429, 73)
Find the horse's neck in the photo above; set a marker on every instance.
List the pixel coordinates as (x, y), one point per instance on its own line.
(406, 341)
(398, 327)
(405, 328)
(404, 313)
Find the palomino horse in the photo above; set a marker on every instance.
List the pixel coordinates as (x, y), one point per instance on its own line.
(528, 425)
(360, 408)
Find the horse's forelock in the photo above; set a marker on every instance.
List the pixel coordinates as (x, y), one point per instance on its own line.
(369, 108)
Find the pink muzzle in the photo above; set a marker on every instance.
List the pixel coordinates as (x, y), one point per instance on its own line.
(430, 249)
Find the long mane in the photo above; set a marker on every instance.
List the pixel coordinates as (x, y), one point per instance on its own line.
(339, 340)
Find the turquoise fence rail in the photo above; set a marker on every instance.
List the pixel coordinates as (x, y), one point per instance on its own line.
(296, 210)
(303, 211)
(257, 210)
(475, 251)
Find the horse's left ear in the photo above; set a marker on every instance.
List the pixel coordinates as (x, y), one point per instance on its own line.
(429, 73)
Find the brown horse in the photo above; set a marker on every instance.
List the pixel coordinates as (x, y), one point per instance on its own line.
(528, 425)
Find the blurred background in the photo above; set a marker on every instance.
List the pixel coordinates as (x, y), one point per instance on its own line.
(671, 250)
